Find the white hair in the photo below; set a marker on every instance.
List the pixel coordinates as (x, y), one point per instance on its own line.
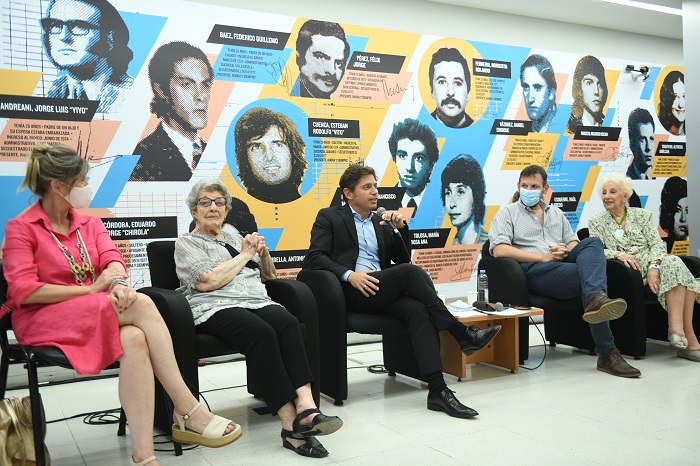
(619, 180)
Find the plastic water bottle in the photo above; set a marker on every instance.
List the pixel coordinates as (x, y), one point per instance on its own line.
(482, 287)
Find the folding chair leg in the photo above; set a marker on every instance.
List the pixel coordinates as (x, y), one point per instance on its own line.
(4, 371)
(35, 398)
(121, 431)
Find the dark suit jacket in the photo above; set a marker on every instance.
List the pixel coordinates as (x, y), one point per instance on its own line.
(160, 159)
(334, 246)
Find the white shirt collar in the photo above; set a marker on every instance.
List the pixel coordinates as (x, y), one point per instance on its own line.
(183, 144)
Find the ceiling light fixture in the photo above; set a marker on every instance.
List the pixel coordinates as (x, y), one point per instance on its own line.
(647, 6)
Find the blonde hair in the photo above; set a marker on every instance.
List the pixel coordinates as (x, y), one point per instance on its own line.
(47, 163)
(619, 180)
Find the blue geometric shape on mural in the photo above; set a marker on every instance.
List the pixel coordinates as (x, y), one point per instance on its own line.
(272, 236)
(143, 32)
(13, 202)
(118, 174)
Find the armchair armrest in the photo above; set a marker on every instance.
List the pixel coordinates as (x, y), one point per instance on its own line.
(333, 338)
(330, 301)
(622, 280)
(507, 282)
(297, 298)
(693, 264)
(176, 313)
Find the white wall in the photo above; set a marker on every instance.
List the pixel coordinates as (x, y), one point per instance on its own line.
(691, 37)
(422, 16)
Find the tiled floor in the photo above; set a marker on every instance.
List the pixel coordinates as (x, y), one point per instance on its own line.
(565, 412)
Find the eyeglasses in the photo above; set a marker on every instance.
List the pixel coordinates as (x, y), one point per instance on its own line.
(206, 202)
(76, 27)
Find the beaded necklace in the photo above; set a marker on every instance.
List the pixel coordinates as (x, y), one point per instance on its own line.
(620, 233)
(78, 271)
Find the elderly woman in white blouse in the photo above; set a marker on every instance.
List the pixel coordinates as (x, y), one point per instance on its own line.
(630, 236)
(222, 275)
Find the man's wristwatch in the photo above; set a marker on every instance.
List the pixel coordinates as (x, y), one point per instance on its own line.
(654, 265)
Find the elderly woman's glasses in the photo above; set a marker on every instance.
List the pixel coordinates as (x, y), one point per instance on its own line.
(76, 27)
(206, 202)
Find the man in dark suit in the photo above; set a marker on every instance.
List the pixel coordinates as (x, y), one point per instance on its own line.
(358, 247)
(181, 79)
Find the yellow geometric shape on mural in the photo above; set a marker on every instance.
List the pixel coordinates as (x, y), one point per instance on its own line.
(17, 82)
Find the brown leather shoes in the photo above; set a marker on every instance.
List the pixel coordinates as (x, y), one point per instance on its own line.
(613, 363)
(601, 308)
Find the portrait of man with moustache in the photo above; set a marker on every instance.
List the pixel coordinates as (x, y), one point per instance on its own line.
(321, 54)
(450, 84)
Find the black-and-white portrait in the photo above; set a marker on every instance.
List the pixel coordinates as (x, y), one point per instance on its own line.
(450, 85)
(672, 103)
(539, 85)
(640, 129)
(321, 54)
(270, 155)
(589, 90)
(414, 149)
(181, 80)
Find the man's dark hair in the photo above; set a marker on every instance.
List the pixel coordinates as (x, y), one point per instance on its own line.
(533, 170)
(324, 28)
(588, 65)
(253, 125)
(449, 54)
(352, 175)
(666, 98)
(414, 130)
(675, 189)
(544, 68)
(638, 116)
(114, 38)
(464, 169)
(162, 67)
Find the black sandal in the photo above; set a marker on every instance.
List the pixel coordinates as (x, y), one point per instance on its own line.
(320, 425)
(312, 448)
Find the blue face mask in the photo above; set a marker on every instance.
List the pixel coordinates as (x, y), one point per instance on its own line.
(530, 197)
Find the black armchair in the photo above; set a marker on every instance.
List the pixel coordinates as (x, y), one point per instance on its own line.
(190, 346)
(562, 319)
(651, 320)
(563, 323)
(335, 322)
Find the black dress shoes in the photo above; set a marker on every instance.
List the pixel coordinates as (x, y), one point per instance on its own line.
(475, 338)
(447, 402)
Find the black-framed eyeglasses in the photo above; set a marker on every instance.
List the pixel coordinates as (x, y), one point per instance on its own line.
(76, 27)
(206, 201)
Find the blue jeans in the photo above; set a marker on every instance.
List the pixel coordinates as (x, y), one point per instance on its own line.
(582, 273)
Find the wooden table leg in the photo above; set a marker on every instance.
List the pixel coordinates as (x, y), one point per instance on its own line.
(506, 345)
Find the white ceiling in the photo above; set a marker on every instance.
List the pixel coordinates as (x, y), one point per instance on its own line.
(590, 13)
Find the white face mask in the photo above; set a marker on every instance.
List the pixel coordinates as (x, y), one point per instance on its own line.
(80, 197)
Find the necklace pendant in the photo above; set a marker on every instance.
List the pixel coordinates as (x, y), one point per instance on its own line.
(620, 233)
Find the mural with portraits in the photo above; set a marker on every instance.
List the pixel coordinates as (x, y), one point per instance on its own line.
(277, 107)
